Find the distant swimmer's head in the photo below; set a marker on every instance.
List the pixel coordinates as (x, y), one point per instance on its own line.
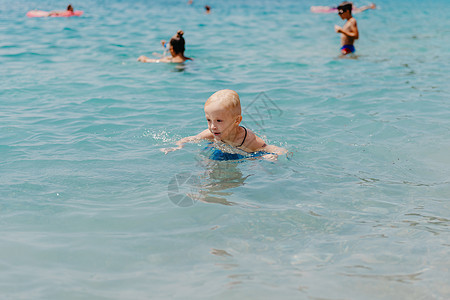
(177, 43)
(207, 9)
(344, 7)
(70, 7)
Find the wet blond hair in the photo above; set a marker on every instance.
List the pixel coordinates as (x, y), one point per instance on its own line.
(229, 99)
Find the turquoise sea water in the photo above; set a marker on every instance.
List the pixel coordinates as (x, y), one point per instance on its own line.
(90, 208)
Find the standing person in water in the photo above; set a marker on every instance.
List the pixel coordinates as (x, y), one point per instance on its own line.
(349, 33)
(176, 47)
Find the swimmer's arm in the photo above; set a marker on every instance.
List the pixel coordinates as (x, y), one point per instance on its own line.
(57, 12)
(145, 59)
(204, 135)
(54, 13)
(363, 8)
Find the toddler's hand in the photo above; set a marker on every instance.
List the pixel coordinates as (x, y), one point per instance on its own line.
(271, 157)
(337, 28)
(167, 150)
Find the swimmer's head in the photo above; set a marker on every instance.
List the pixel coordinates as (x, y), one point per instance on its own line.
(226, 99)
(70, 8)
(223, 113)
(177, 42)
(345, 6)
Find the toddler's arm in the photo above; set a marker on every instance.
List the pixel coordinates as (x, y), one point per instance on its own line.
(274, 149)
(256, 144)
(206, 134)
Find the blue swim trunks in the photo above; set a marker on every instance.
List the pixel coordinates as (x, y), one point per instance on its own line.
(346, 49)
(217, 154)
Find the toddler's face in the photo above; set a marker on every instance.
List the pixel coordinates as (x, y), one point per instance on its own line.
(221, 121)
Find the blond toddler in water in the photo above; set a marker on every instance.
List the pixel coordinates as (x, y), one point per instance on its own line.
(223, 114)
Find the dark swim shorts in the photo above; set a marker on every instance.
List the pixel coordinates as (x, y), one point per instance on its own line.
(346, 49)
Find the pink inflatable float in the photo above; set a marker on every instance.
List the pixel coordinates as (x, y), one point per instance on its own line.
(41, 13)
(323, 9)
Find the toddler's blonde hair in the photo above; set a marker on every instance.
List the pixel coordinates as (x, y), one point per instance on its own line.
(229, 99)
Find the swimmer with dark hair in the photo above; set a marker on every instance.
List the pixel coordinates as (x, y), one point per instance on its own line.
(69, 10)
(349, 33)
(176, 48)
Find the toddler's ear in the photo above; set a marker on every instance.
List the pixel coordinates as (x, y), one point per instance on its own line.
(238, 119)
